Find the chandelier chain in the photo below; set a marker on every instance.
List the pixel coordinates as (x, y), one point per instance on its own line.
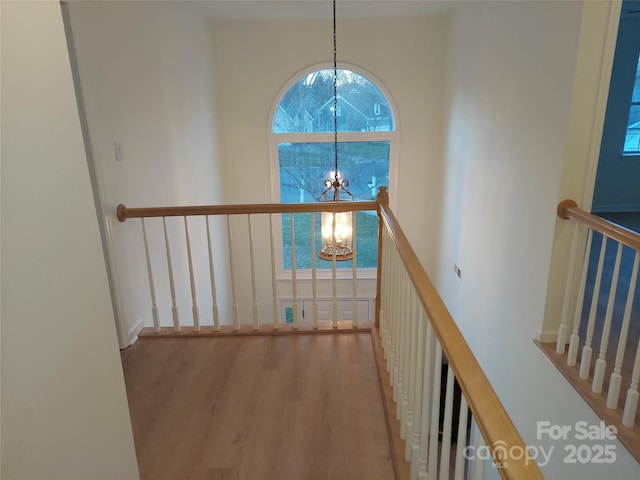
(335, 184)
(336, 227)
(335, 94)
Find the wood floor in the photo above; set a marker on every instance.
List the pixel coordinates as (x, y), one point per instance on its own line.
(267, 407)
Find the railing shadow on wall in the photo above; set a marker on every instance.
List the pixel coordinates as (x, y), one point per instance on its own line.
(446, 409)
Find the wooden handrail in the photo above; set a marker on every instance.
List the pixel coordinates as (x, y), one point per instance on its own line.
(123, 213)
(569, 210)
(493, 421)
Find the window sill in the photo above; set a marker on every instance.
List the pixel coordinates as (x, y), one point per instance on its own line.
(325, 275)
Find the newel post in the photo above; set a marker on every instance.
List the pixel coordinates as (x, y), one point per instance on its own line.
(382, 200)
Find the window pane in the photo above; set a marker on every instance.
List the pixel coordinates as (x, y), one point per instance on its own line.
(308, 105)
(305, 166)
(366, 241)
(303, 169)
(632, 137)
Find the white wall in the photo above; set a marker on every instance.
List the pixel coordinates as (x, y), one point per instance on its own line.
(511, 78)
(147, 78)
(64, 406)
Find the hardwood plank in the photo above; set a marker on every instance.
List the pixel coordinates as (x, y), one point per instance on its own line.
(221, 474)
(281, 407)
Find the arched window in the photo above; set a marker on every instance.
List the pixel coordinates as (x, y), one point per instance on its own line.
(302, 148)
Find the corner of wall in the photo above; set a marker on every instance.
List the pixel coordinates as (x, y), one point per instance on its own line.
(594, 62)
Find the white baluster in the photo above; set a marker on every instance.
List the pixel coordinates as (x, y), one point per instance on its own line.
(406, 348)
(294, 282)
(314, 288)
(432, 457)
(192, 280)
(574, 341)
(397, 319)
(254, 293)
(384, 286)
(152, 289)
(616, 377)
(354, 276)
(212, 276)
(388, 293)
(274, 283)
(388, 300)
(461, 442)
(445, 458)
(427, 397)
(174, 307)
(391, 315)
(236, 308)
(402, 350)
(478, 472)
(568, 294)
(587, 351)
(631, 402)
(395, 323)
(395, 334)
(413, 444)
(391, 306)
(411, 372)
(402, 400)
(334, 275)
(601, 362)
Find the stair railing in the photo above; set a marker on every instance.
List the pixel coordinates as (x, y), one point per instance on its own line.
(450, 417)
(244, 234)
(598, 342)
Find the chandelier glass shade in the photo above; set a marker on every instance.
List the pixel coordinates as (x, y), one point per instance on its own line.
(336, 236)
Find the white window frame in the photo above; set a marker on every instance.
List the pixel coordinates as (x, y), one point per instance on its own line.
(392, 136)
(631, 104)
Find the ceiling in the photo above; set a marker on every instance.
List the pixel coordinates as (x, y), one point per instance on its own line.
(318, 9)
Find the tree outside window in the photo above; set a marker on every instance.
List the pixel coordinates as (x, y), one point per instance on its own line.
(301, 124)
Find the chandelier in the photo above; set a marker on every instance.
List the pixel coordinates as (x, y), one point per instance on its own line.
(337, 231)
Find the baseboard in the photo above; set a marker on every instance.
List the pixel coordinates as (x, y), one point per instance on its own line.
(547, 336)
(134, 331)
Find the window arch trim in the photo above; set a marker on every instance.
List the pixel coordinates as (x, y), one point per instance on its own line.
(329, 66)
